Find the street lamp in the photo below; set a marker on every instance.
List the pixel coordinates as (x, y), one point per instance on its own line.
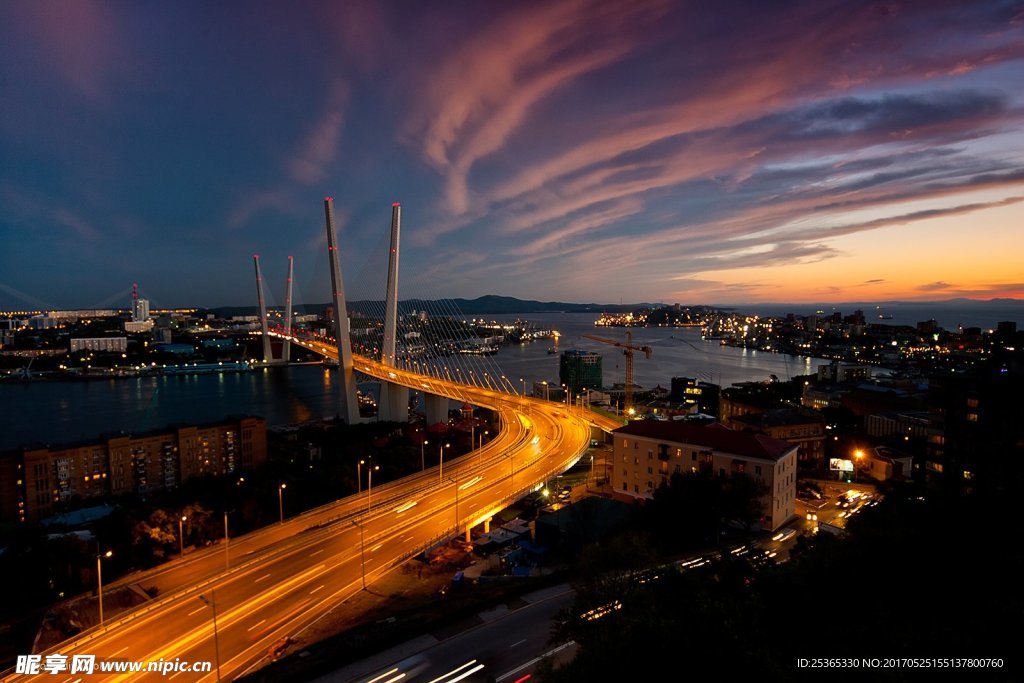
(280, 501)
(227, 558)
(99, 579)
(440, 463)
(359, 476)
(362, 556)
(181, 535)
(523, 380)
(456, 482)
(423, 461)
(212, 604)
(482, 438)
(369, 484)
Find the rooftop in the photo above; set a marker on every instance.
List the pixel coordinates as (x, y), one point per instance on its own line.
(715, 436)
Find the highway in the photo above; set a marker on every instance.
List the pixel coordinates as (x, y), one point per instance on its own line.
(290, 583)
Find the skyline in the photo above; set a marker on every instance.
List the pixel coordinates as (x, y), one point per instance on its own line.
(568, 151)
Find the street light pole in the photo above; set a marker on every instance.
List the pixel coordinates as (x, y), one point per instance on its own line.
(369, 485)
(181, 535)
(227, 558)
(423, 460)
(359, 476)
(99, 579)
(212, 603)
(440, 464)
(456, 482)
(362, 556)
(280, 501)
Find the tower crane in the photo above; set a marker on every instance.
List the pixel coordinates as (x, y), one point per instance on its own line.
(627, 350)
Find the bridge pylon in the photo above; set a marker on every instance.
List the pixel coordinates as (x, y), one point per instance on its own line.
(348, 408)
(394, 399)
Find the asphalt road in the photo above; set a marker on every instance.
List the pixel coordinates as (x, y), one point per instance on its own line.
(291, 577)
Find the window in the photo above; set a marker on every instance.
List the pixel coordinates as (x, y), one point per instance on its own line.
(757, 470)
(650, 471)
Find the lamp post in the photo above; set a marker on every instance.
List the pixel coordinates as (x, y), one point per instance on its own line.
(456, 482)
(440, 463)
(359, 476)
(423, 461)
(280, 501)
(482, 438)
(369, 484)
(523, 380)
(181, 534)
(362, 556)
(227, 558)
(99, 579)
(212, 604)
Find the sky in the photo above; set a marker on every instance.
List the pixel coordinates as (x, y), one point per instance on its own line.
(558, 150)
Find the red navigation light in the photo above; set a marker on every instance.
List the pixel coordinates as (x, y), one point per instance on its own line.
(255, 255)
(393, 204)
(328, 199)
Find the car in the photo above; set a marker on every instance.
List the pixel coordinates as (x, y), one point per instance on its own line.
(812, 516)
(278, 648)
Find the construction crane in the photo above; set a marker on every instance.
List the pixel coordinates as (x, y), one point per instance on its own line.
(627, 350)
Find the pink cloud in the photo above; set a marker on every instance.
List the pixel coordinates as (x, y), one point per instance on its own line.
(308, 164)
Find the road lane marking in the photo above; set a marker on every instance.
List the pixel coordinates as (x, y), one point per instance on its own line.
(317, 588)
(383, 675)
(317, 552)
(255, 625)
(265, 576)
(518, 643)
(533, 661)
(197, 611)
(116, 653)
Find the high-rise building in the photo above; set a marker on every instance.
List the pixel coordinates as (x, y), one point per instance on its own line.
(140, 310)
(34, 480)
(579, 370)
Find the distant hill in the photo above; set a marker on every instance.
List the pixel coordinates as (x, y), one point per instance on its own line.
(488, 304)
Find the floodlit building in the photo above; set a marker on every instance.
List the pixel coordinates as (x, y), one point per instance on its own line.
(647, 452)
(34, 480)
(108, 344)
(579, 370)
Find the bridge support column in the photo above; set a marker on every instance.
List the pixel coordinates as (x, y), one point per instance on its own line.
(268, 355)
(394, 399)
(469, 539)
(487, 525)
(348, 407)
(394, 403)
(436, 408)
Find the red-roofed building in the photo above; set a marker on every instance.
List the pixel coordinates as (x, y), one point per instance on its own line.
(647, 452)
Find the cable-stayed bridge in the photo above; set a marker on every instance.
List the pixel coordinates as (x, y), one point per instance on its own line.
(277, 582)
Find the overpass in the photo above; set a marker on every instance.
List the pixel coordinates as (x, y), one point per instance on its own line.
(282, 587)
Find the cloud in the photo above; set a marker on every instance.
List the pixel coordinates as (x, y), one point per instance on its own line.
(935, 286)
(875, 281)
(81, 227)
(483, 92)
(79, 41)
(308, 164)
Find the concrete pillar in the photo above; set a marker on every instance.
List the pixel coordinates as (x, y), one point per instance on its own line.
(469, 538)
(487, 525)
(348, 407)
(286, 348)
(268, 354)
(436, 408)
(394, 399)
